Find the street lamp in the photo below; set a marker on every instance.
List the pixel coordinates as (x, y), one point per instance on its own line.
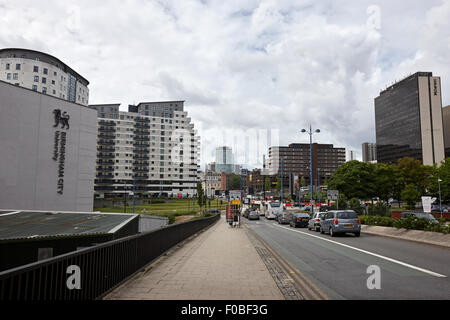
(282, 174)
(440, 201)
(310, 132)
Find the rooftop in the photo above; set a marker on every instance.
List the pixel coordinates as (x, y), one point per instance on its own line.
(40, 224)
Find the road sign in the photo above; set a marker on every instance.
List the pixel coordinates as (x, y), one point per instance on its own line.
(426, 203)
(333, 194)
(235, 195)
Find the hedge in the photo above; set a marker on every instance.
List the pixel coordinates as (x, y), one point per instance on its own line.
(411, 223)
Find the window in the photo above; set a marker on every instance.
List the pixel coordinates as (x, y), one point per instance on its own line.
(35, 69)
(53, 81)
(45, 71)
(55, 74)
(54, 91)
(34, 87)
(7, 66)
(44, 80)
(36, 78)
(8, 76)
(18, 66)
(44, 90)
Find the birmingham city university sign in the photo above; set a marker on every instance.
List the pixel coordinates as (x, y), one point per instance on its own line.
(59, 146)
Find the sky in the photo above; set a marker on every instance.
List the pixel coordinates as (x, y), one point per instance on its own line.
(252, 73)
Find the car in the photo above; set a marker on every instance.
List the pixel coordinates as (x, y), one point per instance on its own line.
(435, 208)
(305, 208)
(247, 212)
(299, 219)
(253, 215)
(282, 218)
(340, 222)
(427, 216)
(314, 222)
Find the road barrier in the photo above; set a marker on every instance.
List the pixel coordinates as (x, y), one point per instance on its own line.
(91, 273)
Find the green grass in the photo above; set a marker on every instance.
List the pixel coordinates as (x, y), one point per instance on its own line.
(170, 209)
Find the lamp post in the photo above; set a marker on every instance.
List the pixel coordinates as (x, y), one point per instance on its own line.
(318, 183)
(310, 132)
(440, 201)
(282, 174)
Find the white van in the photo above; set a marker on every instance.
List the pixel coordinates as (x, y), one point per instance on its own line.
(273, 209)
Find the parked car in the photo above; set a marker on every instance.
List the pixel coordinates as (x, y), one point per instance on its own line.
(253, 215)
(282, 218)
(435, 208)
(342, 221)
(299, 219)
(427, 216)
(306, 208)
(247, 212)
(314, 222)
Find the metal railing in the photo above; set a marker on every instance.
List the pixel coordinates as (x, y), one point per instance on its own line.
(102, 268)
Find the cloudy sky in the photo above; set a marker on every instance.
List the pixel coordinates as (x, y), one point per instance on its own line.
(243, 66)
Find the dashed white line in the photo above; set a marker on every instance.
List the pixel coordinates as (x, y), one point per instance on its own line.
(9, 213)
(368, 252)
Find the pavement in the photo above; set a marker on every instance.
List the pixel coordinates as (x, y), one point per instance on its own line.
(428, 237)
(220, 263)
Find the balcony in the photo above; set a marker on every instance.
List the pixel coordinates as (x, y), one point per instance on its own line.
(139, 119)
(140, 170)
(106, 142)
(141, 138)
(141, 132)
(141, 144)
(105, 169)
(106, 129)
(106, 136)
(105, 162)
(107, 123)
(141, 125)
(106, 149)
(140, 157)
(141, 151)
(141, 176)
(105, 156)
(108, 175)
(140, 163)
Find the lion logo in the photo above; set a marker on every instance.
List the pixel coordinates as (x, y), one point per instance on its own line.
(61, 118)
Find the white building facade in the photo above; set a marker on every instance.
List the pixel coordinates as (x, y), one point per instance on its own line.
(152, 148)
(43, 73)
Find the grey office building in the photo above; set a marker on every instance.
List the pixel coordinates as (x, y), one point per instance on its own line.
(48, 151)
(369, 152)
(408, 120)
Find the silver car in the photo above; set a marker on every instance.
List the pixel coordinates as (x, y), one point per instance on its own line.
(314, 223)
(342, 221)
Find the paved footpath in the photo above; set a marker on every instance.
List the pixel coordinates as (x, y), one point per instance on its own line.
(219, 264)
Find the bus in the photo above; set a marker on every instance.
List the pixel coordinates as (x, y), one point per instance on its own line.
(273, 209)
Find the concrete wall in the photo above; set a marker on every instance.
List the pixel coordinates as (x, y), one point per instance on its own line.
(28, 174)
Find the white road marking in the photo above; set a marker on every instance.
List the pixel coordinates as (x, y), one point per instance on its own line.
(9, 213)
(368, 252)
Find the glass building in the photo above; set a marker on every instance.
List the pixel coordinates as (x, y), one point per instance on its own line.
(408, 120)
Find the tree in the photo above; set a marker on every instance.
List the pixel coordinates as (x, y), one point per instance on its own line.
(411, 195)
(354, 179)
(235, 183)
(267, 186)
(200, 197)
(388, 182)
(278, 184)
(413, 172)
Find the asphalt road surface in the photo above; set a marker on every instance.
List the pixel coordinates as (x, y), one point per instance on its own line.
(338, 265)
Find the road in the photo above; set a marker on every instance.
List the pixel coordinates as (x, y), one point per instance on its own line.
(338, 265)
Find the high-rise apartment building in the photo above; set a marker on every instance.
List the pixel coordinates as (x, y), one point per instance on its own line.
(350, 155)
(153, 147)
(408, 119)
(295, 159)
(224, 160)
(446, 122)
(369, 152)
(43, 73)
